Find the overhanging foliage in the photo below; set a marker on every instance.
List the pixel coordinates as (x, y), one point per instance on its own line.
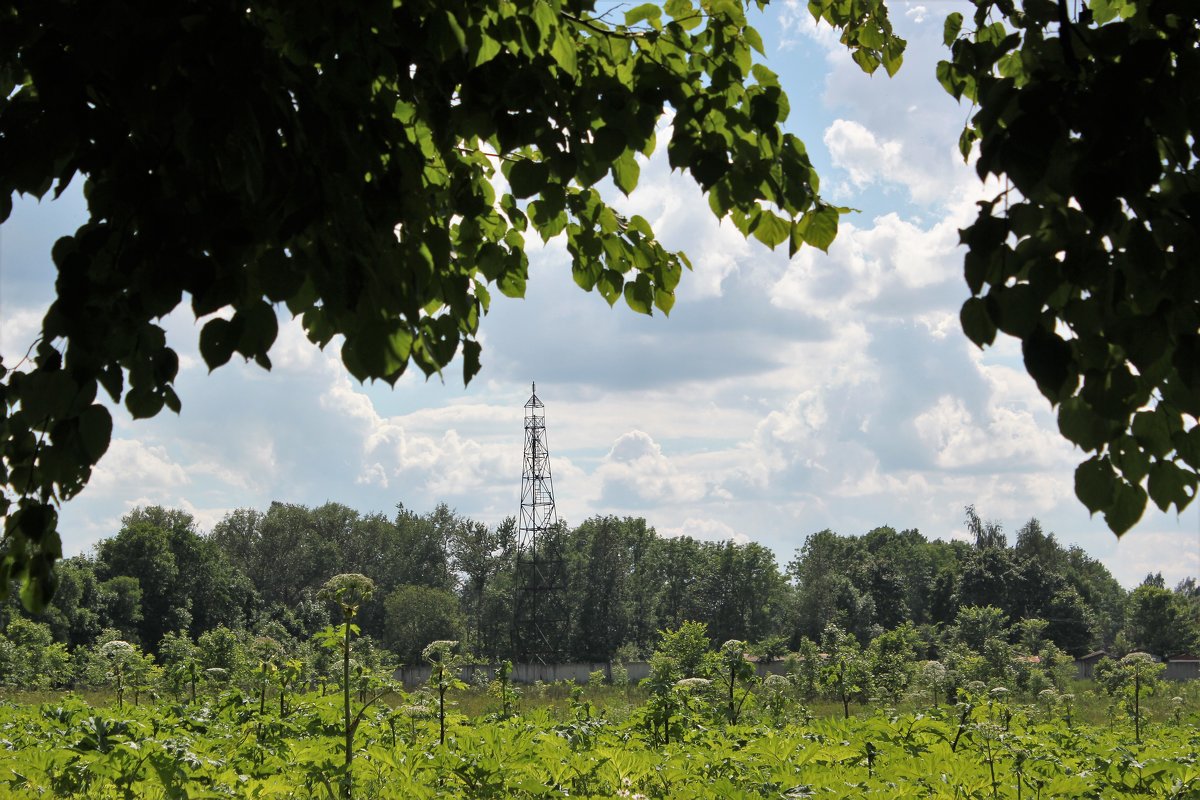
(1089, 256)
(345, 160)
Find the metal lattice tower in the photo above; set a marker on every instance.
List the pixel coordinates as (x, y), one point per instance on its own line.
(539, 614)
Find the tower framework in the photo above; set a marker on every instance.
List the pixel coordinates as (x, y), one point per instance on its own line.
(539, 613)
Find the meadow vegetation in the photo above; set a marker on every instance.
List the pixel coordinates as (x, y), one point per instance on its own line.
(842, 723)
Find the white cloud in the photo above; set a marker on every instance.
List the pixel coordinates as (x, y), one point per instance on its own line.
(294, 352)
(795, 433)
(19, 329)
(870, 160)
(206, 518)
(373, 475)
(710, 530)
(1009, 436)
(131, 463)
(636, 472)
(916, 13)
(1175, 553)
(890, 266)
(426, 450)
(797, 26)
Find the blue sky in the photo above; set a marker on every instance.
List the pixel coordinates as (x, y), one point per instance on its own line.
(778, 399)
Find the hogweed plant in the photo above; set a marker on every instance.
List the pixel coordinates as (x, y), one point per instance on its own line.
(346, 593)
(694, 695)
(735, 672)
(290, 676)
(932, 676)
(664, 702)
(118, 655)
(501, 688)
(445, 663)
(1177, 706)
(776, 699)
(1127, 681)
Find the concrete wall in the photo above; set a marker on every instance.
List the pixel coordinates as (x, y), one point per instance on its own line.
(577, 672)
(1175, 671)
(1182, 670)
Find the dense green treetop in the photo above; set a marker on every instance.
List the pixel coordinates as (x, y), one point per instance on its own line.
(375, 167)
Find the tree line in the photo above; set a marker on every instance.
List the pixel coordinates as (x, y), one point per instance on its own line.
(440, 575)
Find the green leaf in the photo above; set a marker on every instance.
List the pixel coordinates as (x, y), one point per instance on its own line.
(563, 52)
(171, 399)
(772, 230)
(485, 49)
(1169, 484)
(1129, 501)
(1187, 445)
(679, 8)
(754, 40)
(976, 322)
(870, 37)
(1105, 11)
(953, 81)
(867, 61)
(819, 227)
(609, 284)
(1095, 483)
(527, 177)
(95, 431)
(893, 56)
(471, 363)
(1048, 361)
(546, 22)
(639, 295)
(512, 282)
(951, 28)
(217, 340)
(1152, 432)
(966, 142)
(1079, 424)
(143, 403)
(1011, 65)
(456, 31)
(257, 328)
(31, 521)
(646, 12)
(664, 300)
(1019, 309)
(39, 584)
(625, 172)
(1128, 457)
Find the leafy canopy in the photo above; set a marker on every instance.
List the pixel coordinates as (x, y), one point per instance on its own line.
(374, 167)
(1089, 255)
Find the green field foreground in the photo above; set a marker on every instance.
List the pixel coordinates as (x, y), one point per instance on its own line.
(236, 745)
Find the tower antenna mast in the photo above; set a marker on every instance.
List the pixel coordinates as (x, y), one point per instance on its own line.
(539, 612)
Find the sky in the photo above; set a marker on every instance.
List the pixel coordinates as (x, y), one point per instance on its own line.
(779, 398)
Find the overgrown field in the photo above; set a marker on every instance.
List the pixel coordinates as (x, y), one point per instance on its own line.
(238, 745)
